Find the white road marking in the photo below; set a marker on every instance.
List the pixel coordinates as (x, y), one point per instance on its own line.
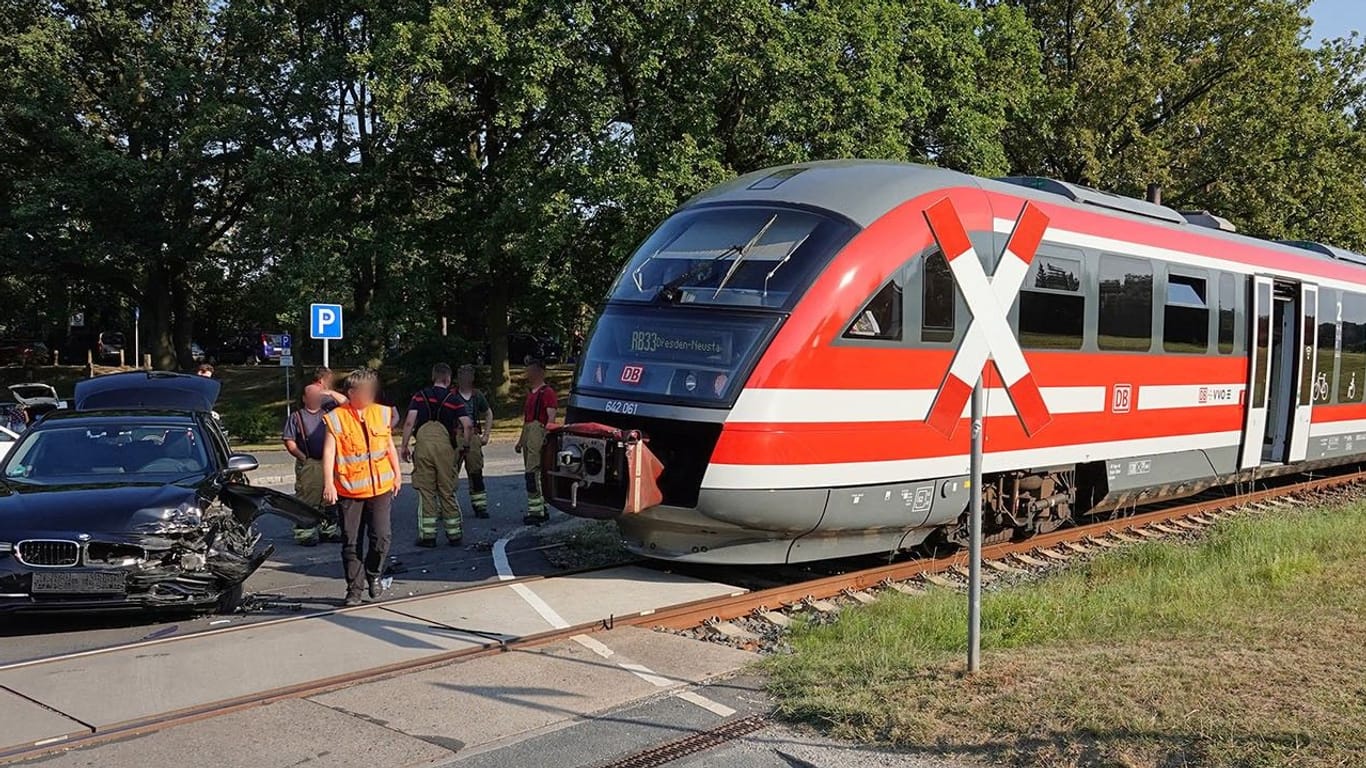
(554, 619)
(594, 646)
(714, 707)
(647, 674)
(540, 606)
(500, 556)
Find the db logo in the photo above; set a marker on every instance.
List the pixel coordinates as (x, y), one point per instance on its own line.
(1203, 396)
(1122, 398)
(632, 374)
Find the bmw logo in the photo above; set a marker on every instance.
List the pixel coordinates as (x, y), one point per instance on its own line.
(84, 537)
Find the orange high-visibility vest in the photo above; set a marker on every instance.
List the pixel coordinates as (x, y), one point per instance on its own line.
(363, 439)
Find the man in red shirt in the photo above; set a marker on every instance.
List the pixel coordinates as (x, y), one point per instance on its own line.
(537, 414)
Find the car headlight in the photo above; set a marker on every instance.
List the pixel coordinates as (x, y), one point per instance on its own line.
(6, 546)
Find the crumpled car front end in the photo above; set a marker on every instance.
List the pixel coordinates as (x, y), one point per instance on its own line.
(190, 555)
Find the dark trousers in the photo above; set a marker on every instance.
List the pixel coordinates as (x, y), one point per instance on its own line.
(372, 516)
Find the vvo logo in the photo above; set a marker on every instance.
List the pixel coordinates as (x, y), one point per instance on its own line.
(1215, 395)
(632, 374)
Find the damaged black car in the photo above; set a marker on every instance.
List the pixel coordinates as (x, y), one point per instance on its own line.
(133, 499)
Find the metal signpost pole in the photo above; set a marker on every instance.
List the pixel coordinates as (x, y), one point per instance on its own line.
(137, 337)
(975, 533)
(326, 364)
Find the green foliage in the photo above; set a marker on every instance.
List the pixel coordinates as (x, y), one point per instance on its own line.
(492, 162)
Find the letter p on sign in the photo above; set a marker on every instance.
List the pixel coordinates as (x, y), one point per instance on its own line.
(325, 321)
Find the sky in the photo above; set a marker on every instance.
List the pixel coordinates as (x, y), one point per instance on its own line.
(1337, 18)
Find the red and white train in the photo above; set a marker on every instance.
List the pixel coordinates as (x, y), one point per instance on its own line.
(797, 346)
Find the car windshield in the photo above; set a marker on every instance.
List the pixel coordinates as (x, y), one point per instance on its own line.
(108, 452)
(751, 256)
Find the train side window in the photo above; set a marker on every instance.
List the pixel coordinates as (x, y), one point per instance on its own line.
(880, 318)
(1352, 369)
(1185, 326)
(1052, 306)
(1228, 303)
(1323, 387)
(938, 297)
(1125, 321)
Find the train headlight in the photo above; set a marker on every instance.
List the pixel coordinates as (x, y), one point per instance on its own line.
(599, 374)
(690, 382)
(570, 459)
(718, 387)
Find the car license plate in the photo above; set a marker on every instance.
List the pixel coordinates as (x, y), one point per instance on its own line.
(79, 583)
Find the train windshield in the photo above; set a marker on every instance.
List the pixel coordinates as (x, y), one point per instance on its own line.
(678, 355)
(749, 256)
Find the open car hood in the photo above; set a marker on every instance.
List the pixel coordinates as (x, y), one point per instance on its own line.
(249, 502)
(156, 390)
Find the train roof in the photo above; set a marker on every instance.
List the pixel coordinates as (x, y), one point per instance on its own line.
(865, 190)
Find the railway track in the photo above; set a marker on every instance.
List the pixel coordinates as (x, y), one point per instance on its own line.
(1031, 554)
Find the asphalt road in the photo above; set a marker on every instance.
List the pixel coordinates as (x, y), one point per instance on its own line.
(308, 579)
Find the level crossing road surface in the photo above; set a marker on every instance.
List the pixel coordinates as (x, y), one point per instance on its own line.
(300, 580)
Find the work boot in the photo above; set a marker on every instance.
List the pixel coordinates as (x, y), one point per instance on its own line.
(454, 541)
(534, 519)
(375, 587)
(352, 601)
(481, 513)
(428, 543)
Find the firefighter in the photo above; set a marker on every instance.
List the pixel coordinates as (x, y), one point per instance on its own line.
(470, 453)
(361, 470)
(304, 435)
(537, 414)
(323, 377)
(439, 417)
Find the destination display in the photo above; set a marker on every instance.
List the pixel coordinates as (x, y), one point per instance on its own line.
(681, 343)
(698, 360)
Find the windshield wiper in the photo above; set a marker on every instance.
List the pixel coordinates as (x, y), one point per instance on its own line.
(786, 257)
(734, 265)
(669, 290)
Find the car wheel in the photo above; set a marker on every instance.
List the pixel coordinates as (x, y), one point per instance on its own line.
(229, 601)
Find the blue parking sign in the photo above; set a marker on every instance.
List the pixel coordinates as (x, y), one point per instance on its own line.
(286, 342)
(325, 321)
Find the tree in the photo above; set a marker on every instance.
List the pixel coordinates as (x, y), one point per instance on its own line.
(148, 135)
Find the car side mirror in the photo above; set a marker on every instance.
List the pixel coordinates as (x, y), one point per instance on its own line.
(242, 462)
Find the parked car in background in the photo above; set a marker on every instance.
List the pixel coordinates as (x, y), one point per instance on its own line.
(251, 348)
(37, 399)
(24, 352)
(525, 347)
(103, 347)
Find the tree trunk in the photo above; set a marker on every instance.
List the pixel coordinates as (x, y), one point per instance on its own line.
(501, 380)
(156, 318)
(183, 322)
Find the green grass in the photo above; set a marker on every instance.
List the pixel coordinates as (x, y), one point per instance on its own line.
(1242, 649)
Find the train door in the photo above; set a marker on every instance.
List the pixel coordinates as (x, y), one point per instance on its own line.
(1307, 352)
(1273, 371)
